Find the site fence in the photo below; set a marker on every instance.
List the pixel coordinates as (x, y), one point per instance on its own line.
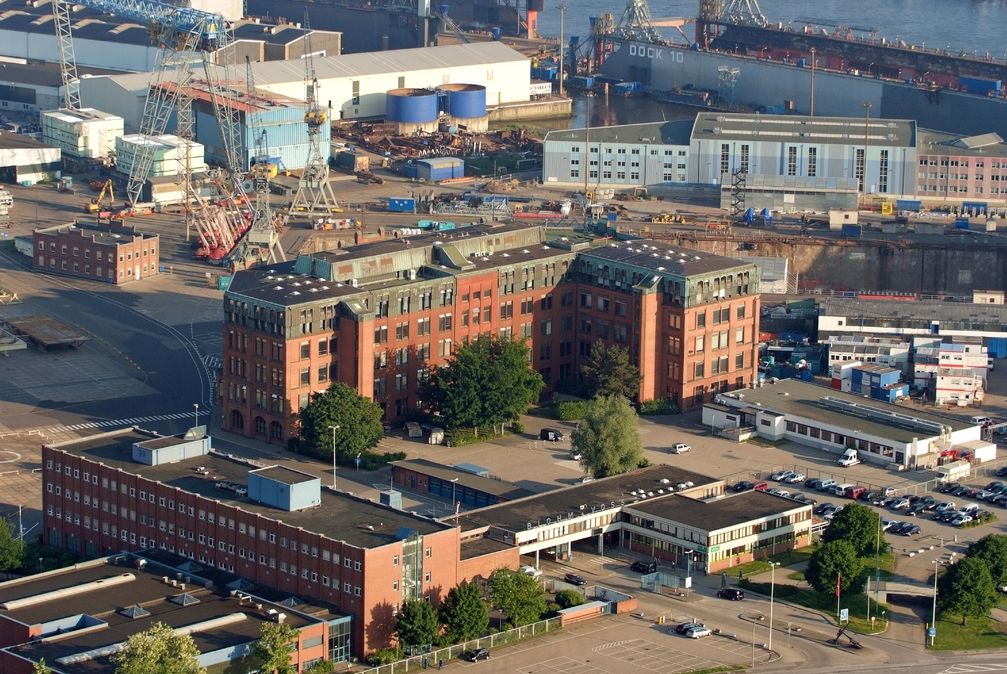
(434, 657)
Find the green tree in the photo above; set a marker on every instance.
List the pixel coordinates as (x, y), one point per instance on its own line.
(569, 598)
(520, 597)
(608, 438)
(357, 420)
(608, 372)
(11, 548)
(858, 525)
(486, 382)
(40, 668)
(158, 650)
(464, 614)
(966, 589)
(831, 560)
(417, 624)
(992, 549)
(273, 648)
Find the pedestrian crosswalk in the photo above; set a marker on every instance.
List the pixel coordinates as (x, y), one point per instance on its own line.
(212, 362)
(117, 423)
(977, 667)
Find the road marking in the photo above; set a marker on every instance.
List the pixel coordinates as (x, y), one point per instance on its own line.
(122, 422)
(985, 667)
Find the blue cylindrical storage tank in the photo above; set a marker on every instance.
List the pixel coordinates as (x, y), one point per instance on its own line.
(465, 101)
(496, 32)
(412, 105)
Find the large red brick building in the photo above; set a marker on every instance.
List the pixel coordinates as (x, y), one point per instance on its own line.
(97, 252)
(378, 315)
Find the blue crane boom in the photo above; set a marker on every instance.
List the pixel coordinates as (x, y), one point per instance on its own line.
(209, 25)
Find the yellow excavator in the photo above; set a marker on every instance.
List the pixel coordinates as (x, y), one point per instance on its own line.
(98, 203)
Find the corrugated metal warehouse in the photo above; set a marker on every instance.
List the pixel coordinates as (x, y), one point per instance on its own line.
(354, 85)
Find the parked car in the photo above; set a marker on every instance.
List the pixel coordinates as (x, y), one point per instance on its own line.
(897, 527)
(868, 496)
(887, 524)
(644, 567)
(961, 520)
(761, 486)
(812, 483)
(899, 504)
(1001, 472)
(732, 593)
(826, 485)
(574, 579)
(550, 435)
(781, 475)
(476, 654)
(795, 478)
(698, 632)
(531, 571)
(682, 628)
(854, 492)
(840, 489)
(744, 485)
(679, 448)
(946, 506)
(822, 508)
(910, 530)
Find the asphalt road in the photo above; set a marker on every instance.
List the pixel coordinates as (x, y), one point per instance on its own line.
(154, 335)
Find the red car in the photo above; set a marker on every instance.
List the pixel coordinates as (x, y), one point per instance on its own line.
(761, 486)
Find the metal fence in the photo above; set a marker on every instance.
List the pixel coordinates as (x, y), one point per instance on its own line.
(433, 658)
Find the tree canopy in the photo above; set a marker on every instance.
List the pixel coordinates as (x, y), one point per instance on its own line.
(608, 438)
(358, 422)
(273, 648)
(831, 560)
(520, 597)
(966, 589)
(484, 383)
(858, 525)
(158, 650)
(11, 548)
(40, 668)
(464, 614)
(992, 550)
(417, 624)
(608, 372)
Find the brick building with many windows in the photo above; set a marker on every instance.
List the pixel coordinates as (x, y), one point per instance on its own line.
(100, 253)
(270, 526)
(377, 316)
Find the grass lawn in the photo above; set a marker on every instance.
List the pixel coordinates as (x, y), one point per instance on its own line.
(977, 633)
(824, 602)
(789, 558)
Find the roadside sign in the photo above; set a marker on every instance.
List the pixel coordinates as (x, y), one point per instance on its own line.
(844, 615)
(932, 632)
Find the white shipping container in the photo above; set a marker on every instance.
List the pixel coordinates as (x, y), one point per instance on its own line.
(169, 154)
(87, 133)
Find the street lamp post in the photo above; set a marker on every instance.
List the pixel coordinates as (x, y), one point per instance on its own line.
(195, 407)
(334, 429)
(453, 483)
(933, 615)
(772, 593)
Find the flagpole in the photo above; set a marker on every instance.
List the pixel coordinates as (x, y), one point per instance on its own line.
(839, 580)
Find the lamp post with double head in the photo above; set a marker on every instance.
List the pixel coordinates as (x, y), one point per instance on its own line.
(772, 596)
(334, 429)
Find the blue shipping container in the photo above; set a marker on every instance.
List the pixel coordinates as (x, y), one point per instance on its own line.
(979, 85)
(908, 205)
(852, 231)
(962, 223)
(402, 204)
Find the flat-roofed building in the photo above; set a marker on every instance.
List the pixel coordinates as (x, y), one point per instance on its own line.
(104, 253)
(831, 420)
(77, 617)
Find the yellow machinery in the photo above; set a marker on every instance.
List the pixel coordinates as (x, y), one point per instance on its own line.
(97, 204)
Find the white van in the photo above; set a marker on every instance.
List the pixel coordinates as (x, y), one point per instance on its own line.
(980, 420)
(849, 458)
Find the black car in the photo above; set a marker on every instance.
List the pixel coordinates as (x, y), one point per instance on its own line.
(682, 628)
(812, 482)
(574, 579)
(732, 593)
(643, 567)
(823, 508)
(744, 485)
(910, 530)
(476, 654)
(898, 527)
(868, 496)
(550, 435)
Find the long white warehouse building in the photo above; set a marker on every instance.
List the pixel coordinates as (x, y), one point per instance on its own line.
(354, 86)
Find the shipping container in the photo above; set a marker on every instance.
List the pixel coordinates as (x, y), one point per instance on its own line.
(440, 168)
(852, 231)
(352, 161)
(980, 86)
(910, 205)
(962, 223)
(402, 204)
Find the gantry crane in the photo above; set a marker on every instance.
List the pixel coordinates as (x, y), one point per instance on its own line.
(262, 244)
(314, 193)
(67, 57)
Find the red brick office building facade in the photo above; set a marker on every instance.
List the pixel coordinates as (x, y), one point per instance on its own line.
(114, 255)
(377, 316)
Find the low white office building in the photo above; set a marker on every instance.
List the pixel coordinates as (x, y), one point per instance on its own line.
(834, 421)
